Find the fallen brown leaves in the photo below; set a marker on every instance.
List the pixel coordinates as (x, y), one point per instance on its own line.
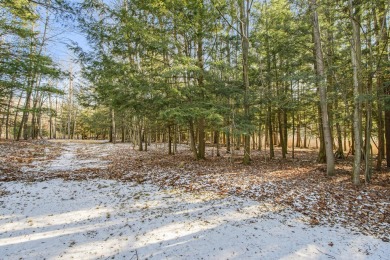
(298, 183)
(16, 155)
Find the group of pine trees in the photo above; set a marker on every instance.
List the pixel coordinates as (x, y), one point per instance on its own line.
(249, 73)
(28, 75)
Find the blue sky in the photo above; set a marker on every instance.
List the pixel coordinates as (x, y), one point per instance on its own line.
(61, 33)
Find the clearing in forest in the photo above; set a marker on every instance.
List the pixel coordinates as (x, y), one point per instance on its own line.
(92, 200)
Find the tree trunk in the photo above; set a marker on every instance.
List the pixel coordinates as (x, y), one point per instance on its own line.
(7, 116)
(201, 139)
(298, 141)
(192, 140)
(281, 137)
(269, 126)
(321, 152)
(244, 25)
(23, 123)
(140, 146)
(368, 148)
(228, 148)
(271, 134)
(285, 130)
(216, 135)
(381, 30)
(55, 121)
(15, 134)
(2, 122)
(174, 139)
(113, 128)
(260, 137)
(169, 140)
(50, 119)
(293, 135)
(200, 64)
(322, 91)
(357, 115)
(123, 130)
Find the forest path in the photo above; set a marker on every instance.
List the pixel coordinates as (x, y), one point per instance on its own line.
(100, 219)
(73, 156)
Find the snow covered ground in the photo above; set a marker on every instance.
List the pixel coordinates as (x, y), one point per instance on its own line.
(107, 219)
(101, 219)
(69, 161)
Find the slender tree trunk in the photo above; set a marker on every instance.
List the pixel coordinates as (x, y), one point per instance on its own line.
(285, 130)
(123, 130)
(322, 91)
(228, 148)
(39, 120)
(321, 152)
(200, 63)
(50, 118)
(8, 115)
(35, 111)
(2, 122)
(298, 141)
(174, 139)
(260, 137)
(380, 123)
(55, 121)
(145, 138)
(339, 152)
(281, 130)
(217, 141)
(192, 140)
(305, 134)
(201, 139)
(113, 128)
(244, 25)
(269, 125)
(357, 115)
(368, 148)
(332, 79)
(23, 124)
(293, 135)
(70, 103)
(381, 35)
(270, 132)
(169, 140)
(16, 116)
(140, 146)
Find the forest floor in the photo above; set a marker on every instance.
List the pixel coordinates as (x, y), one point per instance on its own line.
(92, 200)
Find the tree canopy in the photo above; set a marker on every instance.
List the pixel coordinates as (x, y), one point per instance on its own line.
(235, 73)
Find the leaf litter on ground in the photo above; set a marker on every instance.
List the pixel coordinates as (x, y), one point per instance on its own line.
(296, 184)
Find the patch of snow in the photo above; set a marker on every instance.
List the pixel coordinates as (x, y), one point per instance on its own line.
(68, 160)
(109, 219)
(97, 219)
